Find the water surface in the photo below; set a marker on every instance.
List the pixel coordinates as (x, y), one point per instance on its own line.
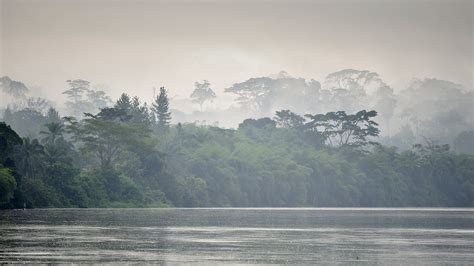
(238, 236)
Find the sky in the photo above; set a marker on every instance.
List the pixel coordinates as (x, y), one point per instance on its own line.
(133, 46)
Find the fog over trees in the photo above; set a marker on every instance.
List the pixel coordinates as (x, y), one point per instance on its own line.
(348, 140)
(426, 108)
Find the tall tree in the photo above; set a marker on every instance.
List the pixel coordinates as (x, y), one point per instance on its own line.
(53, 115)
(202, 93)
(385, 102)
(341, 129)
(350, 88)
(77, 88)
(98, 98)
(161, 109)
(288, 119)
(139, 112)
(54, 132)
(124, 103)
(253, 93)
(29, 157)
(106, 134)
(76, 104)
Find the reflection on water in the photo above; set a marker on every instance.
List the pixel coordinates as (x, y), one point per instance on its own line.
(295, 236)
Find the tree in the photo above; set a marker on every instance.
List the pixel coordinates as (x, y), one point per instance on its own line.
(193, 191)
(384, 102)
(266, 94)
(112, 114)
(133, 109)
(54, 132)
(52, 115)
(26, 121)
(76, 103)
(29, 157)
(350, 88)
(124, 103)
(288, 119)
(161, 109)
(7, 185)
(139, 112)
(106, 134)
(99, 99)
(77, 88)
(12, 87)
(264, 122)
(202, 93)
(37, 104)
(253, 93)
(8, 140)
(351, 79)
(340, 129)
(419, 105)
(431, 147)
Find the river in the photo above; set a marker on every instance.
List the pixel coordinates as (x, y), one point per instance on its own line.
(238, 236)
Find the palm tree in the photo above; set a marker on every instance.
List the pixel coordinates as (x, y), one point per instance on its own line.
(58, 152)
(55, 131)
(28, 156)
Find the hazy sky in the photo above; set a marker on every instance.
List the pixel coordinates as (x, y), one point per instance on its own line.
(134, 45)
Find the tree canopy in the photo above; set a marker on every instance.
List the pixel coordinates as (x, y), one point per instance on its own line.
(161, 109)
(202, 93)
(115, 158)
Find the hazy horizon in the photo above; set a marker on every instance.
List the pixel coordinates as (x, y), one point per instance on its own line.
(135, 46)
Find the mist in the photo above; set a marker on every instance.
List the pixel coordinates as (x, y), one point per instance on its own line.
(237, 132)
(133, 47)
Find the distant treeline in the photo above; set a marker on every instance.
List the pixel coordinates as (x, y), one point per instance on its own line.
(129, 155)
(424, 108)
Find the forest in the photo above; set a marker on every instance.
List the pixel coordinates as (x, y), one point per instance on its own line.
(130, 154)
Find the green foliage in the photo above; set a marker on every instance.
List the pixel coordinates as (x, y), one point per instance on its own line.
(288, 119)
(7, 185)
(114, 159)
(193, 192)
(53, 116)
(8, 139)
(341, 129)
(161, 109)
(28, 157)
(258, 123)
(54, 132)
(26, 122)
(124, 103)
(105, 135)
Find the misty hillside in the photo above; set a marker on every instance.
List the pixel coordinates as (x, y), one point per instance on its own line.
(349, 141)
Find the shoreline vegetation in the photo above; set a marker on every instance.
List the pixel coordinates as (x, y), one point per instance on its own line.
(130, 155)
